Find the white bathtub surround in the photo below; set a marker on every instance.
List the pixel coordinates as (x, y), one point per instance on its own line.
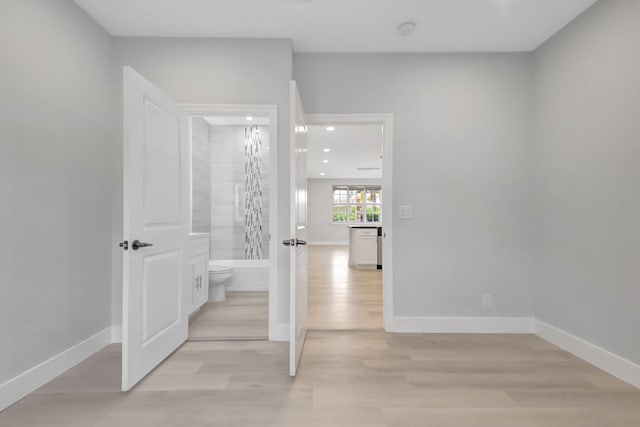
(248, 275)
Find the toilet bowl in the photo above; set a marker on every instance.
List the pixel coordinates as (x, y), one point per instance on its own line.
(219, 275)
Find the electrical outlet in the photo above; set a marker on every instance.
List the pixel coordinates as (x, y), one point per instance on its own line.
(487, 301)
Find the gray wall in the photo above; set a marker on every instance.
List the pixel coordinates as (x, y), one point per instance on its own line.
(218, 71)
(587, 105)
(462, 159)
(57, 138)
(320, 209)
(201, 175)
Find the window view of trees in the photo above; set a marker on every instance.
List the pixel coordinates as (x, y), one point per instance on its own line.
(357, 204)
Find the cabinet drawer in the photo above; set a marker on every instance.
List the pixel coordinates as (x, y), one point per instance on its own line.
(367, 232)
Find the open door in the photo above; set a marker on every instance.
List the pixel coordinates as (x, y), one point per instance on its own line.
(298, 232)
(156, 228)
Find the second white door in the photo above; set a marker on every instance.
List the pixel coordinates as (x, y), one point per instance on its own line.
(298, 232)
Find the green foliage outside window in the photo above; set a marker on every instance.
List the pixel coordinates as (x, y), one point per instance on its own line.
(357, 204)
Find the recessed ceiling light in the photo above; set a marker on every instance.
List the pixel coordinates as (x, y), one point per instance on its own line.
(331, 128)
(326, 150)
(325, 161)
(322, 174)
(406, 28)
(249, 118)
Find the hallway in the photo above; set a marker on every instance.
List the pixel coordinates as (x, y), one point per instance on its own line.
(341, 297)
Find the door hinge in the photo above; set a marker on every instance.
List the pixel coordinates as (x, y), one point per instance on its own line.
(124, 245)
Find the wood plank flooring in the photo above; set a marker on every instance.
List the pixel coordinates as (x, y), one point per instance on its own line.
(244, 315)
(345, 379)
(341, 297)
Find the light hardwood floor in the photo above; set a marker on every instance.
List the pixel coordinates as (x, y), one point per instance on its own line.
(345, 379)
(244, 315)
(340, 296)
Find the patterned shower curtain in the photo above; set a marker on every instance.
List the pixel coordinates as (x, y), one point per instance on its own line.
(253, 193)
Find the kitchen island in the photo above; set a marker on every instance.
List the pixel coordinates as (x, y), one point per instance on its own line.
(364, 251)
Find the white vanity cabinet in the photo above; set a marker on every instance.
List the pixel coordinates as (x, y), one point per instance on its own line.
(363, 247)
(198, 270)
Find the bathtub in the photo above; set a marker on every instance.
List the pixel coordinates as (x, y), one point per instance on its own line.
(248, 275)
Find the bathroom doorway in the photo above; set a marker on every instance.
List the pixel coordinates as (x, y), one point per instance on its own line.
(234, 215)
(350, 221)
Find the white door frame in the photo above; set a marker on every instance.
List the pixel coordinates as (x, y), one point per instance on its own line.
(275, 333)
(386, 121)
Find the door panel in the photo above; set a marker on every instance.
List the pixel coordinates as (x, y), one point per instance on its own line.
(156, 289)
(162, 167)
(160, 290)
(298, 286)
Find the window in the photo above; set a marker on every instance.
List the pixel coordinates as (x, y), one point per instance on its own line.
(357, 204)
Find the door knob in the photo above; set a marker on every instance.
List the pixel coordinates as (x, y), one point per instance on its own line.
(137, 244)
(294, 242)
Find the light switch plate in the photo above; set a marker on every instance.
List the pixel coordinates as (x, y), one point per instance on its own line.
(406, 212)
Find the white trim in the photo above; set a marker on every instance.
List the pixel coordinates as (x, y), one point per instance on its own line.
(116, 334)
(21, 385)
(280, 332)
(609, 362)
(329, 243)
(272, 112)
(386, 120)
(464, 325)
(615, 365)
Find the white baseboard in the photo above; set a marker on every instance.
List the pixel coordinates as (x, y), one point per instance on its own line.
(279, 332)
(466, 325)
(21, 385)
(615, 365)
(116, 334)
(328, 243)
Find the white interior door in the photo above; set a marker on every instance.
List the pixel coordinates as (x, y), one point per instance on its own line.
(298, 241)
(156, 295)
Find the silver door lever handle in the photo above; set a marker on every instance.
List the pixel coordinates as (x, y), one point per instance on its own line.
(294, 242)
(137, 244)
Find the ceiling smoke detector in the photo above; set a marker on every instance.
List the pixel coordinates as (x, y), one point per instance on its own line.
(406, 28)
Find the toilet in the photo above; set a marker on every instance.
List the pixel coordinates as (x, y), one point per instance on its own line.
(219, 275)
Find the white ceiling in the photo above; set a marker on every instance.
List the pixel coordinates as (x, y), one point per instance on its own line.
(352, 147)
(347, 25)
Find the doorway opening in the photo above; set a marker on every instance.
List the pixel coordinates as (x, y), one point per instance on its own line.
(233, 216)
(349, 222)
